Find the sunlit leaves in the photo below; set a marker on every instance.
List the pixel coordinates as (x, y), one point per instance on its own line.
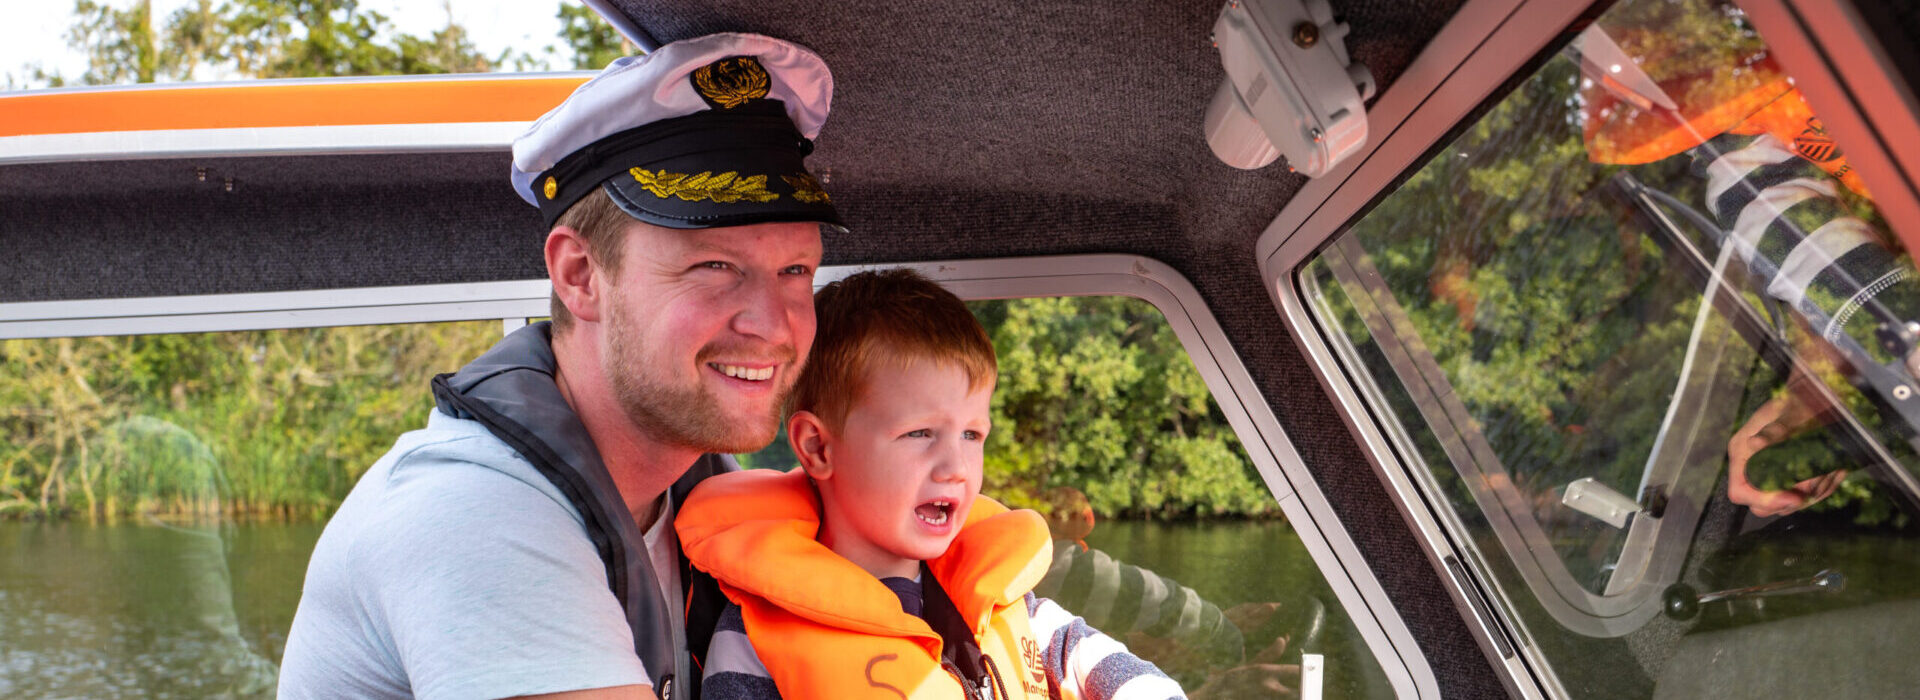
(1097, 394)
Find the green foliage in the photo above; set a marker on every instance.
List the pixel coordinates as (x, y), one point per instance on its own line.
(1558, 320)
(120, 43)
(260, 421)
(594, 42)
(1097, 394)
(262, 39)
(292, 38)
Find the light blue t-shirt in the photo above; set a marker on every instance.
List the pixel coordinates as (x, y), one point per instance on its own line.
(455, 570)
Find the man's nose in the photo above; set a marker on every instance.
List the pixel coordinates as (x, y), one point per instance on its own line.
(764, 312)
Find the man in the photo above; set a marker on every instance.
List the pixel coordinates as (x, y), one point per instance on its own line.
(522, 543)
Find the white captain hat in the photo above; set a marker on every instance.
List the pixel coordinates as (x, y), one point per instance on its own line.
(702, 133)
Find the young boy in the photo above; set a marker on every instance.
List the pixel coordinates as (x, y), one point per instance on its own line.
(874, 570)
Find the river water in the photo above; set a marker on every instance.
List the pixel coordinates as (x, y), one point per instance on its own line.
(157, 610)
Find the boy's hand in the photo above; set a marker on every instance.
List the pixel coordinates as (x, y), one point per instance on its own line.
(1774, 422)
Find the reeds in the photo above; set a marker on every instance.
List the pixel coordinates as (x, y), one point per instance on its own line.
(257, 423)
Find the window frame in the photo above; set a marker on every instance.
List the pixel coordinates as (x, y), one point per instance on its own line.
(1267, 445)
(1469, 66)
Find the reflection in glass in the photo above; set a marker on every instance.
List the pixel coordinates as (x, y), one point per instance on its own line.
(1165, 537)
(1632, 328)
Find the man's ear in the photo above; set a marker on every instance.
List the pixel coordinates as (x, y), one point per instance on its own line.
(571, 268)
(808, 436)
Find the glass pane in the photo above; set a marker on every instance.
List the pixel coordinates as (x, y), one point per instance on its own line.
(1165, 536)
(1640, 294)
(160, 495)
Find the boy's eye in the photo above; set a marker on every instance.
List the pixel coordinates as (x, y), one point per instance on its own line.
(923, 432)
(974, 435)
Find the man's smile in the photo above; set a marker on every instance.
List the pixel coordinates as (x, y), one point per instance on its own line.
(751, 374)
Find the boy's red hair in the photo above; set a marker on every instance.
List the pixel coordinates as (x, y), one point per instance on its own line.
(891, 317)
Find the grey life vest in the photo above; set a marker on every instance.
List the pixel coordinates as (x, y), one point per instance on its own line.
(511, 391)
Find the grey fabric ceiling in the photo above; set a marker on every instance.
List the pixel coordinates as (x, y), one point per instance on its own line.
(959, 130)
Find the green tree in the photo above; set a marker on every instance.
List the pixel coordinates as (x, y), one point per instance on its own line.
(280, 422)
(120, 44)
(263, 39)
(1097, 394)
(593, 41)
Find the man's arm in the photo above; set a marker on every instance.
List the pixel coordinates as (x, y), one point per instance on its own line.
(486, 586)
(625, 692)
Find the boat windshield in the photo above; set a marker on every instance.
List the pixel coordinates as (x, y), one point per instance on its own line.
(1641, 333)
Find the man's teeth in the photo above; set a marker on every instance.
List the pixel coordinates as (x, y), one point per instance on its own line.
(747, 373)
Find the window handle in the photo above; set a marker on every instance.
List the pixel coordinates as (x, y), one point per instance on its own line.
(1681, 603)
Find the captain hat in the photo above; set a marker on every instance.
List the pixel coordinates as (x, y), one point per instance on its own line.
(702, 133)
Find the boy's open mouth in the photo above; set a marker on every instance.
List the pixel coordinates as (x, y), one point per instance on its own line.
(934, 512)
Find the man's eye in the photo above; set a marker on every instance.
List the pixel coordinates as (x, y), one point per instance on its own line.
(714, 265)
(797, 270)
(923, 432)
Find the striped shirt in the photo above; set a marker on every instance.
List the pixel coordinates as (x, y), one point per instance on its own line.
(1801, 242)
(1080, 662)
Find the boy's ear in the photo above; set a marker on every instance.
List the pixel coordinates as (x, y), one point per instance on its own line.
(808, 436)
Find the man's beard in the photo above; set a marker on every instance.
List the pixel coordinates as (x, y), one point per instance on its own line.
(685, 414)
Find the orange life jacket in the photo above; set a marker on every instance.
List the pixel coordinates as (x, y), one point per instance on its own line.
(1721, 81)
(826, 628)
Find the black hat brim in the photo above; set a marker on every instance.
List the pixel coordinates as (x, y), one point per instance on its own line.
(707, 170)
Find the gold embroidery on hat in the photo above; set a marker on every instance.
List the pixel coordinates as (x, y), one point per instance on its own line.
(807, 189)
(724, 188)
(551, 188)
(731, 82)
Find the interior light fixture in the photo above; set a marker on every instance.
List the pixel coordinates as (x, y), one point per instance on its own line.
(1291, 89)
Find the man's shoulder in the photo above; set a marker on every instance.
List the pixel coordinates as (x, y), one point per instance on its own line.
(457, 461)
(451, 559)
(448, 482)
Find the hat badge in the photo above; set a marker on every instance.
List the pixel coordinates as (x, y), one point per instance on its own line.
(551, 188)
(731, 82)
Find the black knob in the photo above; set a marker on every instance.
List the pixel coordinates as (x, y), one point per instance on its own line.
(1680, 602)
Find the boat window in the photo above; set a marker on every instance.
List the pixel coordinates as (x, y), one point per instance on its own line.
(160, 494)
(1165, 536)
(1644, 340)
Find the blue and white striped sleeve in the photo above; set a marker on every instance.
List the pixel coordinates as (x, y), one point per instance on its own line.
(1801, 241)
(733, 670)
(1084, 664)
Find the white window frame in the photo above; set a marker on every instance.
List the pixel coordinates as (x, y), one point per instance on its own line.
(1485, 44)
(1272, 452)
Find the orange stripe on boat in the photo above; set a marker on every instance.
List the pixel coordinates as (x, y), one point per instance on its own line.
(270, 105)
